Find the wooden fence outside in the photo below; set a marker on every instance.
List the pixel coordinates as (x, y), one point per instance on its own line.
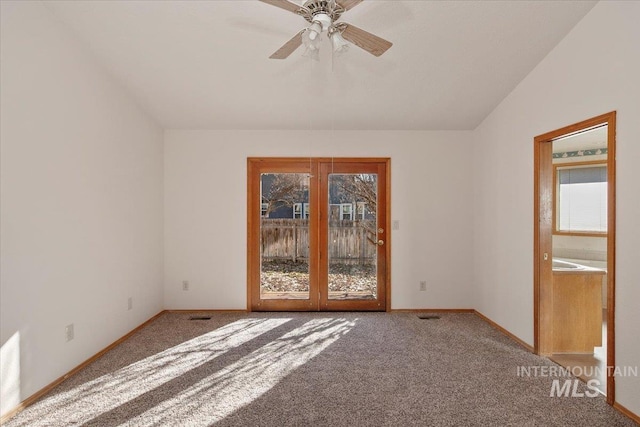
(288, 239)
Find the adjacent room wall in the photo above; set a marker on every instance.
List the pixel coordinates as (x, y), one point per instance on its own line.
(205, 210)
(81, 213)
(594, 70)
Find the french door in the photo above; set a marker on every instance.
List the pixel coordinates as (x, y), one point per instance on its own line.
(318, 235)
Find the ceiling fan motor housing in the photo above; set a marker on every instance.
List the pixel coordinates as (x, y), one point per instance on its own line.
(324, 11)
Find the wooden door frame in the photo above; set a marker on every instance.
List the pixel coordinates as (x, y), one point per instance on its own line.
(255, 166)
(542, 241)
(293, 164)
(346, 167)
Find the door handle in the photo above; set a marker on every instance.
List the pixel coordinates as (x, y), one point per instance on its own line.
(380, 242)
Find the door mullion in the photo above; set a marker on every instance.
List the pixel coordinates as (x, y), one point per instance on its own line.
(314, 237)
(323, 289)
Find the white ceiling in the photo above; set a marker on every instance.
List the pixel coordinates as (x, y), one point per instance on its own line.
(204, 64)
(587, 140)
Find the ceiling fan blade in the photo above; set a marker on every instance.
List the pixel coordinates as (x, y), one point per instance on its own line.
(283, 4)
(365, 40)
(288, 48)
(349, 4)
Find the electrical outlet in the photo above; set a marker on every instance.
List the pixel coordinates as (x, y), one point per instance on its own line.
(396, 224)
(423, 285)
(185, 285)
(69, 332)
(129, 303)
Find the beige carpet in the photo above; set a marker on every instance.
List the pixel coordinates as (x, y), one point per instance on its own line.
(316, 369)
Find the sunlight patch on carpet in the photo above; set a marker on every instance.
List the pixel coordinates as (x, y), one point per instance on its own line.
(117, 388)
(240, 383)
(10, 373)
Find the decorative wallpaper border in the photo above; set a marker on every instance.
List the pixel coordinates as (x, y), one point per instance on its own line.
(580, 153)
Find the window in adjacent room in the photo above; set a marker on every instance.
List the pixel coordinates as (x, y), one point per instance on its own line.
(581, 198)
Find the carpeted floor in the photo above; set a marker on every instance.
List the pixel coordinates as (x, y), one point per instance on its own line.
(317, 369)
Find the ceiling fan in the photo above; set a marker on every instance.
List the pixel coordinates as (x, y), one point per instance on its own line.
(323, 14)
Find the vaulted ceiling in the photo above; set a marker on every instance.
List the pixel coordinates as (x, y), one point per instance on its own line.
(205, 64)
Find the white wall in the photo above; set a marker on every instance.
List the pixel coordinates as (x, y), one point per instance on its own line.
(580, 247)
(205, 210)
(594, 70)
(81, 213)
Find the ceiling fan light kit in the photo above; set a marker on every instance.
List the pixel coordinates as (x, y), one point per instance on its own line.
(314, 30)
(322, 15)
(340, 45)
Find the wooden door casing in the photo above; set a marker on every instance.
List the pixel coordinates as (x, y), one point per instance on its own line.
(319, 170)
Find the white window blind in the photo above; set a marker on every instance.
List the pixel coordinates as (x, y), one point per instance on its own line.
(582, 199)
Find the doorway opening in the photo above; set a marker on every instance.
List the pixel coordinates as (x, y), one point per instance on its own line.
(574, 249)
(318, 234)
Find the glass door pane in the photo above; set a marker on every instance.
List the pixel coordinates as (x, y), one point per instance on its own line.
(284, 236)
(352, 236)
